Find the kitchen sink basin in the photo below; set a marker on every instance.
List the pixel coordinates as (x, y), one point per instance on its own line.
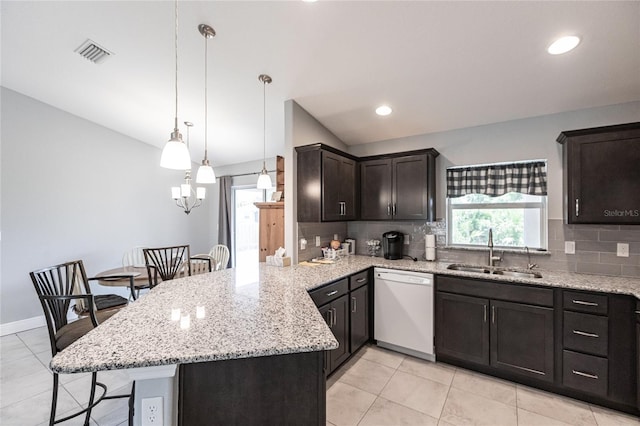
(469, 268)
(516, 273)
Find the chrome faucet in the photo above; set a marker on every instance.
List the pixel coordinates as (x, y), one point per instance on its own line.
(492, 258)
(529, 264)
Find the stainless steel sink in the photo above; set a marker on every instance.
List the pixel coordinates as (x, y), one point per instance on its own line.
(479, 269)
(517, 274)
(469, 268)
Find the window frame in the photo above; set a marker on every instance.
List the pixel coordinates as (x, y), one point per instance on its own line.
(541, 206)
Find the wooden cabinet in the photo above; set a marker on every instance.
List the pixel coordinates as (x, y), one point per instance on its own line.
(398, 187)
(327, 181)
(345, 306)
(271, 228)
(601, 174)
(598, 357)
(360, 315)
(496, 324)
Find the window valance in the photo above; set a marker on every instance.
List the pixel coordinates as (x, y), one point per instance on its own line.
(528, 177)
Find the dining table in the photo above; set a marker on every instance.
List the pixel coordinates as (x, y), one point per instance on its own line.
(118, 277)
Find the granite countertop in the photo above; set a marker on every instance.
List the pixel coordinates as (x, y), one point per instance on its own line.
(253, 312)
(315, 276)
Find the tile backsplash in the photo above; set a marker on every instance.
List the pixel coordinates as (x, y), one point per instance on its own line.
(325, 231)
(595, 251)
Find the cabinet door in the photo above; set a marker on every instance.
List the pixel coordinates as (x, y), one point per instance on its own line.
(348, 189)
(326, 313)
(605, 176)
(271, 230)
(375, 190)
(462, 328)
(340, 329)
(331, 183)
(359, 300)
(410, 188)
(522, 339)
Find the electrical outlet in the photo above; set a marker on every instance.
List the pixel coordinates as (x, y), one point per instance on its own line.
(317, 240)
(152, 411)
(570, 247)
(303, 244)
(407, 239)
(623, 250)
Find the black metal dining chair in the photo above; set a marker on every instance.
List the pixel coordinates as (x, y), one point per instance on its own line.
(57, 287)
(167, 263)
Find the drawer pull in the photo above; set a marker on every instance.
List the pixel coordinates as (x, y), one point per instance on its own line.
(582, 302)
(587, 375)
(361, 280)
(638, 312)
(584, 333)
(331, 293)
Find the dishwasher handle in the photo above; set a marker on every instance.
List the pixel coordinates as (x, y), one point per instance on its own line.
(427, 279)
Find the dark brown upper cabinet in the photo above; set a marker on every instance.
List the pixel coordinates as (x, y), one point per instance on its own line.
(398, 187)
(327, 184)
(601, 178)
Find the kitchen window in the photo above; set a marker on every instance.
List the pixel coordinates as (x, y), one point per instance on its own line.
(510, 198)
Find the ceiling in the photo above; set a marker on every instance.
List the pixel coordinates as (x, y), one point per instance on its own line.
(439, 65)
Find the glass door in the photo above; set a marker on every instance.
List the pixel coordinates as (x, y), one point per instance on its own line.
(246, 224)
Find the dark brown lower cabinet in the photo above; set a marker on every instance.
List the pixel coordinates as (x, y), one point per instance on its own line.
(637, 312)
(360, 317)
(462, 328)
(336, 314)
(272, 390)
(522, 339)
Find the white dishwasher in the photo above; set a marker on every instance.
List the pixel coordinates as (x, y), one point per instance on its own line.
(403, 312)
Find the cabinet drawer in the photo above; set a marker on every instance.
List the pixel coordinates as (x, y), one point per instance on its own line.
(358, 280)
(585, 302)
(586, 373)
(330, 292)
(586, 333)
(531, 295)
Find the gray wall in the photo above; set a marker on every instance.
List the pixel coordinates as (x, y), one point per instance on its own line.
(526, 139)
(72, 189)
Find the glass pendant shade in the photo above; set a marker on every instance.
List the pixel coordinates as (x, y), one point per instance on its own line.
(205, 174)
(264, 181)
(175, 154)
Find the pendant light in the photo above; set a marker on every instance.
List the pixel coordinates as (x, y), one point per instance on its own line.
(175, 154)
(205, 171)
(184, 195)
(264, 180)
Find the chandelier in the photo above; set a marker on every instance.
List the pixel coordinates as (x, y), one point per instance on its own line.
(184, 195)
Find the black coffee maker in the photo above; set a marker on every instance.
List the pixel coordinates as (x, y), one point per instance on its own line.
(392, 243)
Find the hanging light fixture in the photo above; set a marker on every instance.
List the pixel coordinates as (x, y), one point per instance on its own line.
(175, 154)
(264, 180)
(205, 171)
(184, 195)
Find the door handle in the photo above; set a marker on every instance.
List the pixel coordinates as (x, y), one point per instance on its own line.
(334, 316)
(493, 314)
(587, 375)
(353, 305)
(388, 209)
(577, 207)
(394, 209)
(484, 312)
(582, 302)
(330, 318)
(584, 333)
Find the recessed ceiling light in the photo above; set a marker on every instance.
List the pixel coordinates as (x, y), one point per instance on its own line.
(383, 110)
(563, 45)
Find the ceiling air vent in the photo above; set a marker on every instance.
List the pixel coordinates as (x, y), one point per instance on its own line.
(93, 52)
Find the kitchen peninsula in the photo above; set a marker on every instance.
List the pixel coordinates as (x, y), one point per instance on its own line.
(261, 337)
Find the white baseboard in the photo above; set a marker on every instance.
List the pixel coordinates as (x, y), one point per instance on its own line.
(22, 325)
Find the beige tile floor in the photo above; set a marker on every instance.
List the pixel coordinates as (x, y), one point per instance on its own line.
(26, 383)
(376, 387)
(380, 387)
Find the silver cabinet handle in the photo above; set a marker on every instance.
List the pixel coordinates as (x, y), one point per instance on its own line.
(335, 315)
(354, 304)
(493, 314)
(330, 318)
(361, 280)
(577, 207)
(484, 312)
(584, 333)
(343, 208)
(582, 302)
(587, 375)
(331, 293)
(388, 209)
(638, 312)
(394, 209)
